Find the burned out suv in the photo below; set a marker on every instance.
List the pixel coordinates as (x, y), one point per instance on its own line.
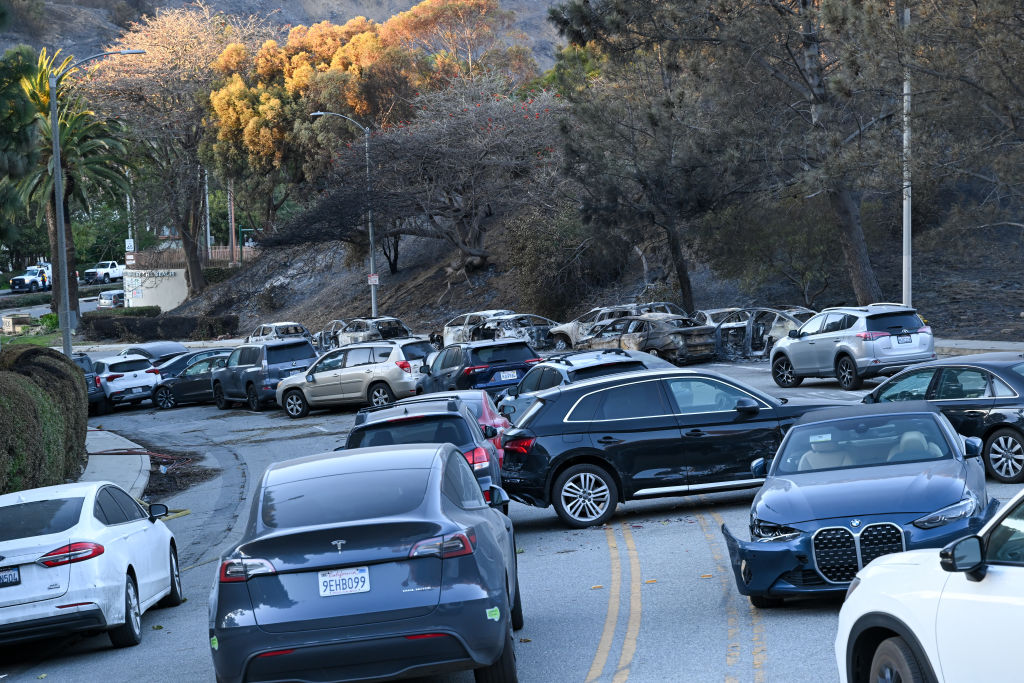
(252, 371)
(852, 344)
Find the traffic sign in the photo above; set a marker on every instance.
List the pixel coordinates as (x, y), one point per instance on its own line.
(129, 245)
(373, 279)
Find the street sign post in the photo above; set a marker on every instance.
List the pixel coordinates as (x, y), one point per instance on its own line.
(373, 279)
(129, 245)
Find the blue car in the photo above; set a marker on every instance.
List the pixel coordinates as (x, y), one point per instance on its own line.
(849, 485)
(488, 365)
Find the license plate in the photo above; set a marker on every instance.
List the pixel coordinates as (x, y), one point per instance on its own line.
(508, 374)
(344, 581)
(137, 390)
(9, 576)
(903, 339)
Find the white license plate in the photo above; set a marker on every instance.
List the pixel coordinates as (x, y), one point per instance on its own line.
(10, 576)
(508, 374)
(903, 339)
(137, 390)
(344, 581)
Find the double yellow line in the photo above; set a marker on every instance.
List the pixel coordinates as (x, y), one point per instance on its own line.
(604, 646)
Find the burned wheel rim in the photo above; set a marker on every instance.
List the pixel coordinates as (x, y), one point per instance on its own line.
(294, 404)
(783, 372)
(585, 497)
(165, 398)
(561, 344)
(1006, 456)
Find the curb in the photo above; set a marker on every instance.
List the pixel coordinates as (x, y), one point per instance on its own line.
(964, 347)
(116, 459)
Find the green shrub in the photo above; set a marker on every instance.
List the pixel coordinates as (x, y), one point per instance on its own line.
(215, 274)
(174, 327)
(50, 321)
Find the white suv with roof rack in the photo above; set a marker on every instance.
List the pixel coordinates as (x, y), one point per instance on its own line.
(852, 344)
(126, 379)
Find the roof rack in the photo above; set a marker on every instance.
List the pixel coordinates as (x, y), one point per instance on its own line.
(452, 406)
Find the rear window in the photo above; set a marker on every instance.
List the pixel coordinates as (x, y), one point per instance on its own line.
(83, 362)
(427, 429)
(894, 322)
(506, 353)
(130, 366)
(390, 329)
(343, 498)
(39, 518)
(602, 370)
(417, 350)
(290, 352)
(290, 330)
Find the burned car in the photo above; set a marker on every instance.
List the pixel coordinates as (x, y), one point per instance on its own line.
(750, 333)
(327, 338)
(713, 316)
(676, 338)
(460, 328)
(566, 336)
(535, 329)
(372, 329)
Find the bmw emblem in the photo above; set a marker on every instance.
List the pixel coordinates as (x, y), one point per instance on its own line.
(855, 523)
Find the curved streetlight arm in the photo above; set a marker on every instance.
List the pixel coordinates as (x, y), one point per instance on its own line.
(365, 129)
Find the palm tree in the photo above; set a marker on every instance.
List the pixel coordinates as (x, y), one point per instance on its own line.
(93, 160)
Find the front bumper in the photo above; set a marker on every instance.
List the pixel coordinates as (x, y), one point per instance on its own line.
(787, 568)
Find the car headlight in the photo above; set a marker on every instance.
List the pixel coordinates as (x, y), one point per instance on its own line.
(765, 532)
(950, 513)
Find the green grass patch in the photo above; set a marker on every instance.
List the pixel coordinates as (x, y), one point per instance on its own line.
(52, 339)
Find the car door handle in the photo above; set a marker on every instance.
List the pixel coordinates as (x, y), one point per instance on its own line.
(367, 371)
(695, 432)
(609, 440)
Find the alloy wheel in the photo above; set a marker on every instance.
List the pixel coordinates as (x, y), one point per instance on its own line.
(782, 372)
(165, 398)
(1007, 456)
(175, 573)
(294, 404)
(379, 397)
(560, 344)
(585, 497)
(134, 612)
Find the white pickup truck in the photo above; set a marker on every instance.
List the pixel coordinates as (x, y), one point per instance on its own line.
(104, 271)
(35, 278)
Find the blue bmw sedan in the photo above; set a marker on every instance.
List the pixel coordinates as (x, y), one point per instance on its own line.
(849, 485)
(369, 564)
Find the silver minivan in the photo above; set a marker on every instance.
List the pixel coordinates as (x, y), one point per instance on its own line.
(852, 344)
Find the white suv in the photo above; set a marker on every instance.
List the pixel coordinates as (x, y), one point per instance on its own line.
(939, 615)
(126, 379)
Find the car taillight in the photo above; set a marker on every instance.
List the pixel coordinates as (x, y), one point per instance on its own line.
(111, 378)
(871, 336)
(534, 360)
(96, 378)
(404, 364)
(474, 369)
(478, 458)
(232, 571)
(276, 653)
(69, 554)
(153, 371)
(452, 545)
(521, 446)
(926, 329)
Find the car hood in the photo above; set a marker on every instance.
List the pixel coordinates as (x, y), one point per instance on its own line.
(912, 487)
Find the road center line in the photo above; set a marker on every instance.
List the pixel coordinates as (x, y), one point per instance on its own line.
(732, 646)
(635, 608)
(608, 634)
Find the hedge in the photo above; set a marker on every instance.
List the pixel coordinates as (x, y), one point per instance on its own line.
(133, 312)
(171, 327)
(43, 418)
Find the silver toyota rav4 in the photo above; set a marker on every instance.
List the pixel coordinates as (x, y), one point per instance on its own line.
(852, 344)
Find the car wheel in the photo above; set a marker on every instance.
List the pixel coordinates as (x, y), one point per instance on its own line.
(101, 406)
(106, 278)
(762, 602)
(518, 620)
(218, 398)
(846, 373)
(177, 595)
(295, 404)
(130, 632)
(164, 398)
(33, 288)
(108, 406)
(654, 352)
(1004, 456)
(585, 495)
(784, 374)
(380, 394)
(895, 661)
(252, 399)
(562, 343)
(504, 669)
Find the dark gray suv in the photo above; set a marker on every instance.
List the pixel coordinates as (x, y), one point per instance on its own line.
(252, 371)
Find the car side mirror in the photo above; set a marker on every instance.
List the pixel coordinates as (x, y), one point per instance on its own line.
(489, 431)
(424, 369)
(794, 334)
(512, 392)
(222, 363)
(759, 468)
(505, 410)
(964, 555)
(157, 510)
(311, 379)
(972, 447)
(870, 398)
(499, 498)
(747, 406)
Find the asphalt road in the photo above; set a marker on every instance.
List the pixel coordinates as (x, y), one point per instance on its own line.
(9, 306)
(648, 598)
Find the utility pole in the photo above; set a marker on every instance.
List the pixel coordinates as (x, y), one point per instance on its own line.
(231, 220)
(206, 187)
(907, 234)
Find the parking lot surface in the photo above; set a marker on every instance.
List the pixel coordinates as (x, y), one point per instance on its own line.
(649, 597)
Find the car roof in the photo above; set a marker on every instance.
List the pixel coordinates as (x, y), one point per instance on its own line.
(868, 409)
(121, 359)
(636, 375)
(462, 395)
(74, 490)
(489, 312)
(272, 343)
(283, 322)
(489, 342)
(586, 359)
(161, 347)
(425, 405)
(872, 308)
(399, 457)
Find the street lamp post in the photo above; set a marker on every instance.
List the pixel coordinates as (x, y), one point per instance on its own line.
(64, 308)
(369, 209)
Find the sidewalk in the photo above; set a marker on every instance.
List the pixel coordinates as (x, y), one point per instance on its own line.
(116, 459)
(963, 347)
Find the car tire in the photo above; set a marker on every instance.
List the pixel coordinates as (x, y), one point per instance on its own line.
(252, 399)
(129, 633)
(379, 394)
(164, 399)
(106, 278)
(518, 620)
(33, 288)
(654, 352)
(895, 661)
(101, 407)
(504, 669)
(1004, 456)
(763, 602)
(295, 404)
(218, 398)
(847, 374)
(784, 374)
(108, 406)
(177, 595)
(585, 495)
(562, 343)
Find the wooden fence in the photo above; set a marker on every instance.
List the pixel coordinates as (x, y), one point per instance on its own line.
(175, 258)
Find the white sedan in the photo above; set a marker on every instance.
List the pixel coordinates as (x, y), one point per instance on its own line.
(939, 615)
(82, 558)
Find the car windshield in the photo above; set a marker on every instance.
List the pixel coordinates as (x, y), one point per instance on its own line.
(290, 330)
(39, 518)
(862, 442)
(606, 369)
(894, 322)
(341, 498)
(32, 272)
(130, 366)
(288, 353)
(505, 353)
(417, 429)
(417, 350)
(390, 329)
